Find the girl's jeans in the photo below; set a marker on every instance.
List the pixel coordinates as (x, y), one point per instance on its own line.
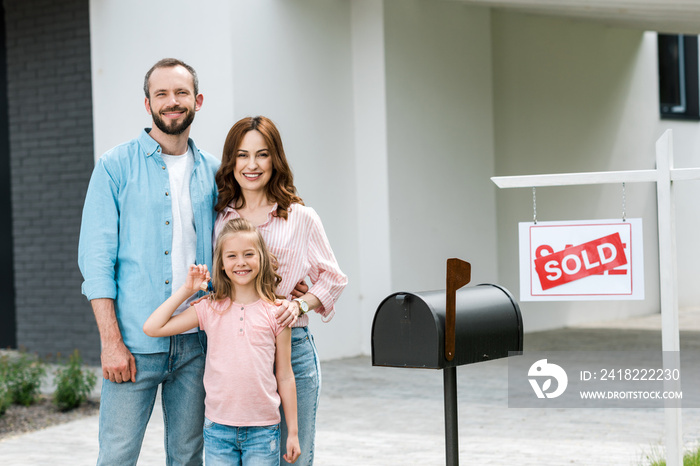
(236, 446)
(307, 374)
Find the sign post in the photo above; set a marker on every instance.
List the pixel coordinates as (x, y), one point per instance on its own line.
(664, 175)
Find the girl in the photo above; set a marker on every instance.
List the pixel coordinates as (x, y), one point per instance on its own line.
(248, 367)
(255, 182)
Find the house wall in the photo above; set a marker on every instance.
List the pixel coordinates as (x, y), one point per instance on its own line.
(50, 132)
(298, 72)
(396, 113)
(573, 97)
(129, 36)
(440, 141)
(289, 61)
(437, 126)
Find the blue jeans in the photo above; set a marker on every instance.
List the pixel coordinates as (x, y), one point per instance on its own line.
(249, 446)
(307, 374)
(125, 408)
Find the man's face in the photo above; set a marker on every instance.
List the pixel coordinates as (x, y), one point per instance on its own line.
(172, 102)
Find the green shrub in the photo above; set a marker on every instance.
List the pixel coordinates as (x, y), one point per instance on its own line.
(22, 376)
(73, 384)
(5, 397)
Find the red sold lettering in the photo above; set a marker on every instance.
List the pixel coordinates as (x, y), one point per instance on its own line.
(577, 262)
(543, 250)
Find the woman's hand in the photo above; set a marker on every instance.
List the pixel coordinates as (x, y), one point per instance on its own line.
(287, 313)
(300, 289)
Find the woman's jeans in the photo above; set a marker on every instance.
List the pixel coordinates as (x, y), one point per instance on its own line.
(125, 408)
(236, 446)
(307, 374)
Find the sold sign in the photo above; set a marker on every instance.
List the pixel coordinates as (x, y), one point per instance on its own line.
(577, 262)
(581, 260)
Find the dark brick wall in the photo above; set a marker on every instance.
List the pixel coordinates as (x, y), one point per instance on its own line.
(51, 159)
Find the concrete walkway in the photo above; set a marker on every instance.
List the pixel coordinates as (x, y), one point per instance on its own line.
(386, 416)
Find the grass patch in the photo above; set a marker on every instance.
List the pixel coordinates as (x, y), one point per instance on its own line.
(691, 458)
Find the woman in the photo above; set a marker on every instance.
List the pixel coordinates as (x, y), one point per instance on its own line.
(255, 182)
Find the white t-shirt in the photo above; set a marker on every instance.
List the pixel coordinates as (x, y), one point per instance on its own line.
(184, 249)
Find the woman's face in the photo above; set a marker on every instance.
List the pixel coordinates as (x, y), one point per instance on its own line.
(253, 168)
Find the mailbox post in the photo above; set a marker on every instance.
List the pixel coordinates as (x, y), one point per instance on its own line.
(444, 329)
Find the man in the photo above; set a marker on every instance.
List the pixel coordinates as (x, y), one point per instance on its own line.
(148, 214)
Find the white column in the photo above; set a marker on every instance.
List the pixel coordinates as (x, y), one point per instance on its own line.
(369, 83)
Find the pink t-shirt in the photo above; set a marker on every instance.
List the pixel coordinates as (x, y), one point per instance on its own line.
(239, 379)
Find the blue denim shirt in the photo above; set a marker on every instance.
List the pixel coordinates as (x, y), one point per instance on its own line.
(126, 234)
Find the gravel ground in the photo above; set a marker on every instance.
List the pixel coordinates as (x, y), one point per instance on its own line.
(22, 419)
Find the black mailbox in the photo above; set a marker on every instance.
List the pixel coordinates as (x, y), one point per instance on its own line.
(445, 329)
(409, 328)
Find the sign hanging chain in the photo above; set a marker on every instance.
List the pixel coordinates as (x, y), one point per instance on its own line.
(534, 204)
(624, 214)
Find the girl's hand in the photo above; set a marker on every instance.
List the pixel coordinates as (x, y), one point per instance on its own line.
(197, 278)
(293, 449)
(287, 313)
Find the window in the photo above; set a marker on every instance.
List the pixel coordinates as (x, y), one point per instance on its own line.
(678, 77)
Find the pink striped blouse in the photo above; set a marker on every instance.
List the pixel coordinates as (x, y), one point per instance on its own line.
(302, 250)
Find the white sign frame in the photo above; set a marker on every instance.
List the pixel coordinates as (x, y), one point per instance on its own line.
(664, 175)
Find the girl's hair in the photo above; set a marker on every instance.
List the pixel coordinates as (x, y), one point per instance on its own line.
(267, 280)
(280, 188)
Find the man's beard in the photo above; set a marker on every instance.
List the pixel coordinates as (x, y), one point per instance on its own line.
(175, 128)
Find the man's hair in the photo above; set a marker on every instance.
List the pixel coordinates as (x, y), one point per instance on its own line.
(169, 63)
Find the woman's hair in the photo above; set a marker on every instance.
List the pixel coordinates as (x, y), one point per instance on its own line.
(267, 280)
(279, 189)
